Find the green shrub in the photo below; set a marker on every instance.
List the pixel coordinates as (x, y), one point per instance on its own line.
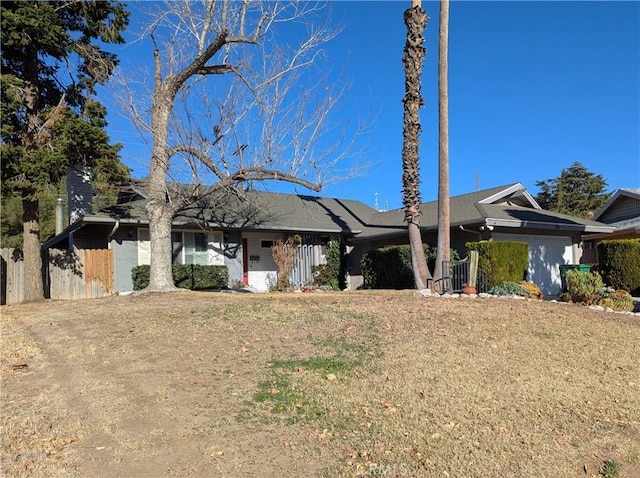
(391, 268)
(510, 288)
(584, 288)
(503, 261)
(335, 256)
(619, 263)
(187, 276)
(388, 268)
(323, 275)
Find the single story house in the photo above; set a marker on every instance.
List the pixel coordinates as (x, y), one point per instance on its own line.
(239, 232)
(622, 212)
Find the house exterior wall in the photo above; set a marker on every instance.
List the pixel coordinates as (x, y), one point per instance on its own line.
(125, 257)
(263, 272)
(624, 208)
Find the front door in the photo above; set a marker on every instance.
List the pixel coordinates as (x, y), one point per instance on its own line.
(245, 261)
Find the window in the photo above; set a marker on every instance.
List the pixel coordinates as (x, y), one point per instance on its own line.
(189, 248)
(266, 244)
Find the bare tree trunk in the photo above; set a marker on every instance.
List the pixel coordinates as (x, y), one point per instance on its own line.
(444, 217)
(33, 287)
(416, 20)
(160, 210)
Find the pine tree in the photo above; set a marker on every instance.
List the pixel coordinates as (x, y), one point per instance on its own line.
(577, 192)
(51, 62)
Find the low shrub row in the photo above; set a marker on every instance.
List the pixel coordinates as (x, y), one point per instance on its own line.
(188, 276)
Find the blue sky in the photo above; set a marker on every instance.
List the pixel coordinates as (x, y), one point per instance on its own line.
(533, 87)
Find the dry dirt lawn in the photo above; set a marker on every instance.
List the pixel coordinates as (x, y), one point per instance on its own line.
(196, 384)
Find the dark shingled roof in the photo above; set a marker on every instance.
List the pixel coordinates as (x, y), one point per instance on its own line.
(263, 210)
(510, 205)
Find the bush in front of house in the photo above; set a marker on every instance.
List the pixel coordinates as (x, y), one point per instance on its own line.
(584, 288)
(503, 261)
(619, 264)
(187, 276)
(323, 275)
(508, 288)
(390, 267)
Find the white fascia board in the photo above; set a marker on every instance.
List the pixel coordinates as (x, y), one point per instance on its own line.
(516, 188)
(548, 225)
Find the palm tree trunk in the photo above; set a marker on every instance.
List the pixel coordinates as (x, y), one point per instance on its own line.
(416, 20)
(444, 215)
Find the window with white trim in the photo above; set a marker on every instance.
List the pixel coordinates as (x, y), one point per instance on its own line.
(189, 248)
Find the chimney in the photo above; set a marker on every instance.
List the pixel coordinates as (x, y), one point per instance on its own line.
(80, 192)
(59, 216)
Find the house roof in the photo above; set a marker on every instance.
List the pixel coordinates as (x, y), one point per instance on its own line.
(622, 210)
(507, 206)
(257, 210)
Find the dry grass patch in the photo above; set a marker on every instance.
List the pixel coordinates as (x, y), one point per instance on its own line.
(348, 384)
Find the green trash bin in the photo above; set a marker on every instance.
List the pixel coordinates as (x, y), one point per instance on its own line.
(586, 268)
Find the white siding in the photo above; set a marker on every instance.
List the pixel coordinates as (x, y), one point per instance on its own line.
(144, 247)
(215, 247)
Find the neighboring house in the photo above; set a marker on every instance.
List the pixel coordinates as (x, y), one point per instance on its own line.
(239, 233)
(622, 212)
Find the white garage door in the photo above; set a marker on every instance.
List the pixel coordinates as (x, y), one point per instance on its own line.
(546, 254)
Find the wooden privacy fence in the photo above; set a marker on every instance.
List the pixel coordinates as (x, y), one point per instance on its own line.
(76, 274)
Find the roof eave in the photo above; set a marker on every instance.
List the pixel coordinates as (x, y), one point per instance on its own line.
(549, 225)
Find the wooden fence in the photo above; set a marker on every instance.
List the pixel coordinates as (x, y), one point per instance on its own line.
(76, 274)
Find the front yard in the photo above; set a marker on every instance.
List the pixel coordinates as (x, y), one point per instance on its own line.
(319, 384)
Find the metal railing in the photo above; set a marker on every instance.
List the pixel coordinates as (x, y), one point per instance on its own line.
(459, 275)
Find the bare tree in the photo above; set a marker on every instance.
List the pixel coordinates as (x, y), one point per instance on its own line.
(416, 20)
(230, 105)
(443, 253)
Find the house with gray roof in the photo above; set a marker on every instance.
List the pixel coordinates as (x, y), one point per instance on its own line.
(622, 211)
(238, 229)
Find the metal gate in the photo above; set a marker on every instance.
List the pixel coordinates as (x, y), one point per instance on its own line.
(459, 275)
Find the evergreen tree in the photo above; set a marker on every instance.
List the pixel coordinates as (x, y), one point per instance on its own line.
(577, 191)
(51, 62)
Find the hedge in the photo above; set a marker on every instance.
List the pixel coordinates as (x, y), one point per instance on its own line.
(390, 267)
(619, 264)
(187, 276)
(503, 261)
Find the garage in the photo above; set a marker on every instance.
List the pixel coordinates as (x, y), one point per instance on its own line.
(546, 254)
